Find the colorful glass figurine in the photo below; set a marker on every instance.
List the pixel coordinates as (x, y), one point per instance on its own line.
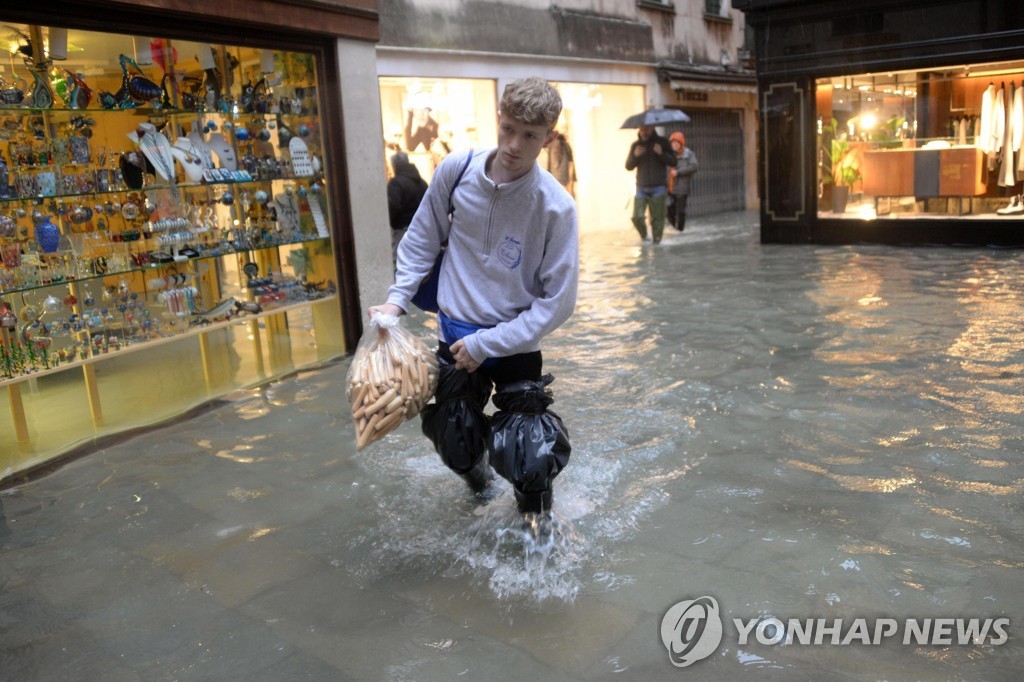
(10, 93)
(42, 95)
(79, 94)
(135, 88)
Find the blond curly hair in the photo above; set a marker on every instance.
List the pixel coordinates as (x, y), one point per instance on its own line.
(532, 101)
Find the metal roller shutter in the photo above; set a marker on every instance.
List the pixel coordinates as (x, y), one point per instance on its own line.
(716, 137)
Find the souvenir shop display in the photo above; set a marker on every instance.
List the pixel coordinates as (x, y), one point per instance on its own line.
(130, 194)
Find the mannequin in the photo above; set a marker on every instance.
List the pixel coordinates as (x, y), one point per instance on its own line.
(224, 151)
(156, 148)
(189, 157)
(199, 145)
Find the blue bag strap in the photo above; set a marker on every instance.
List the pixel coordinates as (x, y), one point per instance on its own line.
(458, 179)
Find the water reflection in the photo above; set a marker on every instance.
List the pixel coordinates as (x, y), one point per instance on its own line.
(797, 431)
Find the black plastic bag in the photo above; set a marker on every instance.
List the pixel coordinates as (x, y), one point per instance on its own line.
(529, 443)
(456, 422)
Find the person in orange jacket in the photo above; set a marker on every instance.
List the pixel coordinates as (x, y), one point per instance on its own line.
(680, 180)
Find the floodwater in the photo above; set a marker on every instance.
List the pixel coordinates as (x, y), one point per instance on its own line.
(799, 432)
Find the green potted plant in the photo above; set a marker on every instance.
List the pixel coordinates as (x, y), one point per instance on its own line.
(887, 134)
(838, 167)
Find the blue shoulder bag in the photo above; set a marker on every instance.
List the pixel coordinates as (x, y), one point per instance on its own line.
(425, 297)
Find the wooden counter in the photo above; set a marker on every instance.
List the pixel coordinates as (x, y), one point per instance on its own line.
(924, 173)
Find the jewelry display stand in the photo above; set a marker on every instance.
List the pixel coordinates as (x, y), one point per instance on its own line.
(318, 216)
(190, 158)
(200, 147)
(287, 207)
(299, 152)
(224, 151)
(156, 148)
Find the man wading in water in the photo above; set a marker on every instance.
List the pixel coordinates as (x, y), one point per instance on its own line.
(508, 279)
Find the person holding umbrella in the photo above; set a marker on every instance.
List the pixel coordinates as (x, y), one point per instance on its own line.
(651, 156)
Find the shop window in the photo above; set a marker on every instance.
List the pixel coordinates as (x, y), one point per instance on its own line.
(932, 143)
(429, 118)
(165, 230)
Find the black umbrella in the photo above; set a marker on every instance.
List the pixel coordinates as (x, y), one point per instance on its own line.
(655, 117)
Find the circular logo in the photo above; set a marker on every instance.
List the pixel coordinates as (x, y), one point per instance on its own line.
(691, 630)
(510, 253)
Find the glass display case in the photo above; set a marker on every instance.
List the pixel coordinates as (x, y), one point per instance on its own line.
(165, 237)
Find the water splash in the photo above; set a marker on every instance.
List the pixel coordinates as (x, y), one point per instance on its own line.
(429, 522)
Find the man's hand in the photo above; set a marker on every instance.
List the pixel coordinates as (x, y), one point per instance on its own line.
(384, 309)
(463, 360)
(639, 150)
(657, 149)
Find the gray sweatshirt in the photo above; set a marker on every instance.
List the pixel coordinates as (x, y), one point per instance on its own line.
(513, 255)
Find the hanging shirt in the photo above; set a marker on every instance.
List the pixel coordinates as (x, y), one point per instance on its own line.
(995, 139)
(1007, 171)
(1018, 129)
(984, 136)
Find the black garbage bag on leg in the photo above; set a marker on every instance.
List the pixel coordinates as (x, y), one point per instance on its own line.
(529, 444)
(456, 424)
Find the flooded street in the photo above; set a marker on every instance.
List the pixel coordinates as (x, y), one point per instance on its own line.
(800, 432)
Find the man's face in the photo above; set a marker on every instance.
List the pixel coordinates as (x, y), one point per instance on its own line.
(646, 131)
(519, 144)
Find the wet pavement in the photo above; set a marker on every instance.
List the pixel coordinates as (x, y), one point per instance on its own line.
(798, 432)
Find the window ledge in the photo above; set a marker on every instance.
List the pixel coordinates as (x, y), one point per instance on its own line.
(717, 19)
(656, 5)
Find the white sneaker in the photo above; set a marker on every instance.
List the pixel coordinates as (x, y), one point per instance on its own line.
(1015, 206)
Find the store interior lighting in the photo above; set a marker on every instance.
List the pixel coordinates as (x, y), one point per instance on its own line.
(143, 53)
(57, 44)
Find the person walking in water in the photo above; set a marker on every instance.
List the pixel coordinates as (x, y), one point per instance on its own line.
(680, 179)
(507, 280)
(650, 155)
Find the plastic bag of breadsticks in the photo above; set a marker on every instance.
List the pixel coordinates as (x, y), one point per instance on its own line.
(392, 376)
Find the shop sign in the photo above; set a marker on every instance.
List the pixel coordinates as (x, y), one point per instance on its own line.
(691, 96)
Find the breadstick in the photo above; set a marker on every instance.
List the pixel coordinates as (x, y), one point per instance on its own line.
(406, 381)
(360, 394)
(364, 435)
(390, 421)
(388, 396)
(394, 404)
(424, 380)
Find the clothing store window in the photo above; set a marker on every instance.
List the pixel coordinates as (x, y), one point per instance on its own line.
(932, 143)
(598, 179)
(428, 118)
